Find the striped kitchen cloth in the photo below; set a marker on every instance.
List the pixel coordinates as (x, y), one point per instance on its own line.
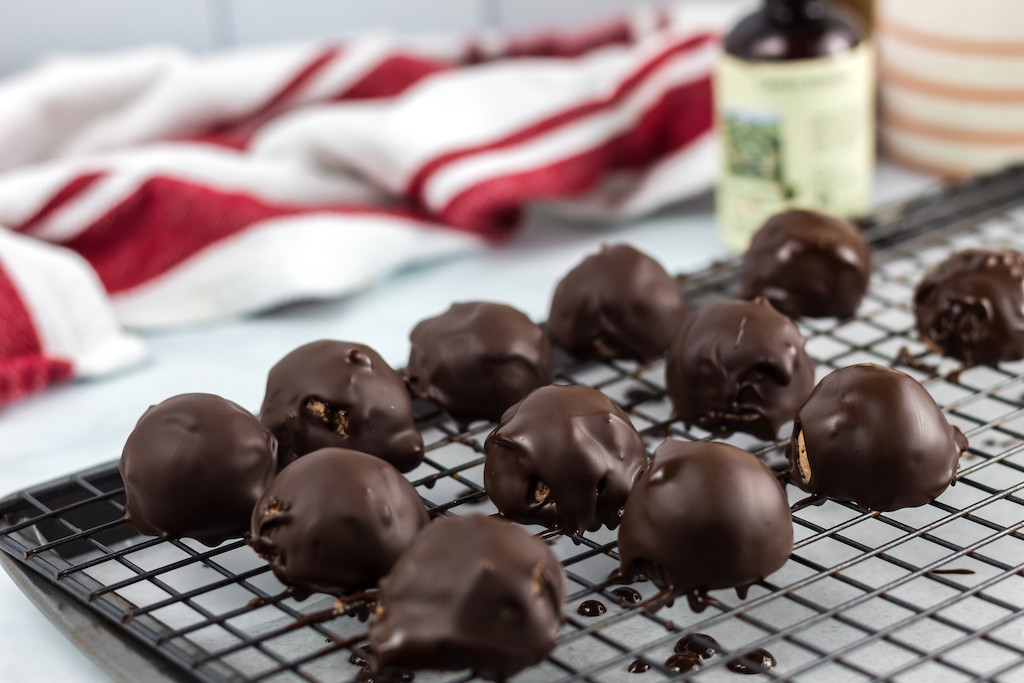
(154, 188)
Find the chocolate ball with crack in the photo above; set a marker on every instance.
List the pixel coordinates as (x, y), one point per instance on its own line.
(478, 358)
(470, 592)
(971, 307)
(335, 521)
(738, 366)
(342, 395)
(564, 456)
(617, 303)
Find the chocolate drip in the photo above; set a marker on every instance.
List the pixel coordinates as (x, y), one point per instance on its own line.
(591, 608)
(754, 662)
(341, 395)
(738, 366)
(808, 264)
(564, 456)
(971, 307)
(875, 436)
(335, 521)
(626, 596)
(700, 644)
(617, 303)
(682, 662)
(194, 466)
(687, 529)
(638, 666)
(476, 359)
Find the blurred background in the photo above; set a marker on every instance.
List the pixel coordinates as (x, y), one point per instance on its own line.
(31, 29)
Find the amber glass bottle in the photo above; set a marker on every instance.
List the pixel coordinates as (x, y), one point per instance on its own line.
(795, 112)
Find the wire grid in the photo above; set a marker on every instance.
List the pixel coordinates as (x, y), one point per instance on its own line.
(928, 593)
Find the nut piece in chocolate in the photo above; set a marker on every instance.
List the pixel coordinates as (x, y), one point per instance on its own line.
(738, 366)
(335, 521)
(470, 592)
(194, 466)
(617, 303)
(342, 395)
(478, 358)
(705, 515)
(875, 436)
(971, 307)
(564, 456)
(808, 264)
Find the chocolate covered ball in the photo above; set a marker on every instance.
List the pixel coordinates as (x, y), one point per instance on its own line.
(335, 521)
(470, 593)
(194, 466)
(738, 366)
(971, 307)
(875, 436)
(617, 303)
(341, 395)
(808, 264)
(704, 516)
(476, 359)
(564, 456)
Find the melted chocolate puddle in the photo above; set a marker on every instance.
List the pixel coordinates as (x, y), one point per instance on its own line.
(638, 666)
(681, 662)
(701, 644)
(591, 608)
(627, 596)
(754, 662)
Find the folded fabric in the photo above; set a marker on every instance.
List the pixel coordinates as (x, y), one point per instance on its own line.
(153, 188)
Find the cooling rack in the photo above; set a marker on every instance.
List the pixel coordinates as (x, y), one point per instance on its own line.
(929, 593)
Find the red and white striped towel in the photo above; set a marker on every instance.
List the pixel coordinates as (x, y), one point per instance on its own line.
(153, 188)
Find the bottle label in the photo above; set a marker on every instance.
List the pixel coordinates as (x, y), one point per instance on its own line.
(794, 133)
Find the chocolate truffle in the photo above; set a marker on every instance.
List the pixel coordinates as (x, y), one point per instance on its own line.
(563, 456)
(875, 436)
(705, 515)
(194, 466)
(470, 593)
(335, 521)
(971, 307)
(738, 366)
(617, 303)
(808, 264)
(342, 395)
(476, 359)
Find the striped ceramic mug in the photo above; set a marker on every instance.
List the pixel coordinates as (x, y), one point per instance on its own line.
(952, 83)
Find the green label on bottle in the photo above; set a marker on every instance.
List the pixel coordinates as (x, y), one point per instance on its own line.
(794, 133)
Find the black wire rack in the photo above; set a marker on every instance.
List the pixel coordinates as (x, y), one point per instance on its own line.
(928, 593)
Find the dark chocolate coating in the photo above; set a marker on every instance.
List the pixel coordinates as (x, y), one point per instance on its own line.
(476, 359)
(971, 307)
(705, 515)
(564, 456)
(617, 303)
(808, 264)
(342, 395)
(194, 466)
(738, 366)
(875, 436)
(335, 521)
(470, 592)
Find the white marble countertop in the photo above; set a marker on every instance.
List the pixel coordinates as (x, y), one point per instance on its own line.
(75, 426)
